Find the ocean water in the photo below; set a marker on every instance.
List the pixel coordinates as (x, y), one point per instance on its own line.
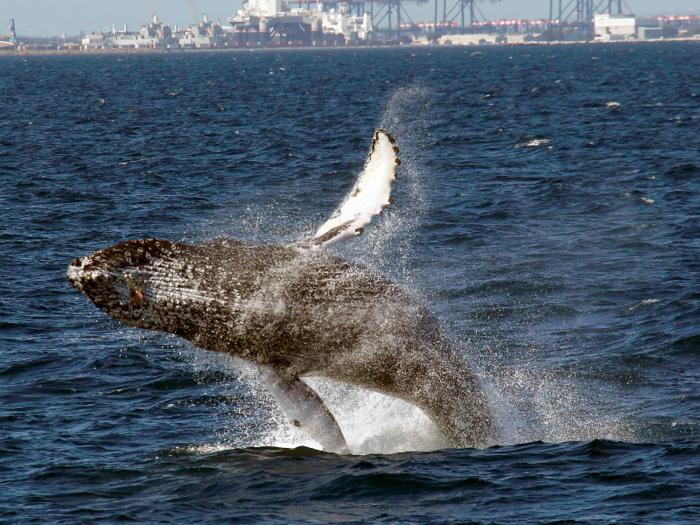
(547, 211)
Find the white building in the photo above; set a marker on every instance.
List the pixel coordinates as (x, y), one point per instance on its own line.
(341, 22)
(620, 27)
(649, 33)
(615, 27)
(94, 41)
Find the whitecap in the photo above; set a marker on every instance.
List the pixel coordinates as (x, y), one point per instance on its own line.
(645, 302)
(534, 143)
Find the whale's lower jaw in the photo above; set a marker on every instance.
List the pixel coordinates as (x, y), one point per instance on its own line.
(302, 313)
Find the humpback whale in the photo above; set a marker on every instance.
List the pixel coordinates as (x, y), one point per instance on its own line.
(298, 311)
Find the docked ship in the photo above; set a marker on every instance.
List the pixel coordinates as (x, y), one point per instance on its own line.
(153, 34)
(204, 34)
(11, 41)
(265, 22)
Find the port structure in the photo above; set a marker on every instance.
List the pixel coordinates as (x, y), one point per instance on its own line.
(454, 15)
(463, 16)
(580, 13)
(386, 10)
(11, 41)
(458, 15)
(150, 6)
(194, 12)
(389, 12)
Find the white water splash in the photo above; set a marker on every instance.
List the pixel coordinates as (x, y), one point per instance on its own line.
(533, 404)
(645, 302)
(372, 423)
(533, 143)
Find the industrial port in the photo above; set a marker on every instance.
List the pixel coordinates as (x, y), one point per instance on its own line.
(302, 23)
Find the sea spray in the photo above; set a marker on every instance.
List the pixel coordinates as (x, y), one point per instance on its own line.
(525, 406)
(387, 245)
(371, 422)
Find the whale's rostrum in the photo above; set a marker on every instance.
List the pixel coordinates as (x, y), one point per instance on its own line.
(298, 311)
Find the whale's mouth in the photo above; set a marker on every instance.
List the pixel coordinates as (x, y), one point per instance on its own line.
(86, 277)
(75, 273)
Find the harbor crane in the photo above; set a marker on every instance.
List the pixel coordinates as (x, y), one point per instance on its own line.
(154, 16)
(458, 9)
(194, 12)
(453, 17)
(581, 13)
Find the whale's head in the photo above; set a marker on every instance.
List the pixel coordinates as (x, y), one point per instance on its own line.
(125, 281)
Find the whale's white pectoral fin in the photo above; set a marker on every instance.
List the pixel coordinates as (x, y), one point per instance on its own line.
(304, 409)
(371, 193)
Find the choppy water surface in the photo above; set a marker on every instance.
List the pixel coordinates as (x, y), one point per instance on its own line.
(548, 211)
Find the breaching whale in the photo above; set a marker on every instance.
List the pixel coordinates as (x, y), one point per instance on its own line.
(298, 311)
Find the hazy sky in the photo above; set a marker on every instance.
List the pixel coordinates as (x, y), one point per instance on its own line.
(54, 17)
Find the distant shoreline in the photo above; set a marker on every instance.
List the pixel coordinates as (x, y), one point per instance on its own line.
(4, 52)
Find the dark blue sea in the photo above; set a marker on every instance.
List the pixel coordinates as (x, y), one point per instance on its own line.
(547, 211)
